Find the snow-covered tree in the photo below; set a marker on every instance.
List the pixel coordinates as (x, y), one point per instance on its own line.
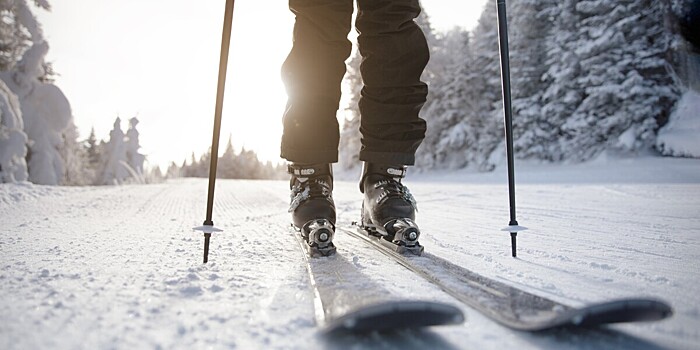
(92, 150)
(188, 169)
(562, 94)
(13, 39)
(250, 164)
(350, 138)
(435, 67)
(200, 168)
(228, 166)
(115, 167)
(529, 27)
(13, 140)
(75, 159)
(18, 30)
(231, 165)
(155, 175)
(134, 158)
(468, 127)
(449, 59)
(679, 137)
(627, 88)
(173, 171)
(46, 113)
(610, 85)
(45, 110)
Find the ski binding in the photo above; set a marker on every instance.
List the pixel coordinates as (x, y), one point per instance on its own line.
(400, 235)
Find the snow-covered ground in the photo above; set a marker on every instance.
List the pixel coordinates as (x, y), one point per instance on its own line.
(119, 267)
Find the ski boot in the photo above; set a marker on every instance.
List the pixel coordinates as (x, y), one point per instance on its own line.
(389, 209)
(312, 207)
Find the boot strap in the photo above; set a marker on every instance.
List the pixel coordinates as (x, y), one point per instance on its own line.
(392, 171)
(310, 170)
(395, 171)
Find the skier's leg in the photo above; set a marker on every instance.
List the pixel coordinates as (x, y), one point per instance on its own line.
(312, 74)
(395, 53)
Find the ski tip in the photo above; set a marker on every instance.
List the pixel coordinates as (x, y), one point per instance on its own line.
(615, 311)
(395, 315)
(514, 228)
(207, 229)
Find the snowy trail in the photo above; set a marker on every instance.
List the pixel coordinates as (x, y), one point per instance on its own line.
(119, 267)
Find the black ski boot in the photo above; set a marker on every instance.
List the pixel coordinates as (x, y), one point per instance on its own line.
(312, 207)
(389, 209)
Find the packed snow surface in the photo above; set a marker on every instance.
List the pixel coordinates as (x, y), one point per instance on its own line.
(120, 267)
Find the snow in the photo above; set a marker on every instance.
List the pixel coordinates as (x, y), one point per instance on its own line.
(120, 267)
(679, 137)
(13, 141)
(46, 114)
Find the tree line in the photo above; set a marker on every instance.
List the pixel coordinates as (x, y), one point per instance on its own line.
(587, 77)
(231, 165)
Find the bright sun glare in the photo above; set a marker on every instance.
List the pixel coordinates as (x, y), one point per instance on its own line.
(158, 60)
(255, 96)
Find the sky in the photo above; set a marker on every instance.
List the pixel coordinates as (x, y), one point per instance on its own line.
(157, 60)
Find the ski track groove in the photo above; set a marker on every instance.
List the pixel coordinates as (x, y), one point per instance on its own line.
(72, 274)
(466, 228)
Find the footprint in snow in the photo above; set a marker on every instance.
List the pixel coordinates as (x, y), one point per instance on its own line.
(191, 291)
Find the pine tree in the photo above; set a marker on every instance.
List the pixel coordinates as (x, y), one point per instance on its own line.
(134, 158)
(203, 165)
(563, 93)
(115, 167)
(470, 125)
(92, 150)
(450, 56)
(530, 25)
(250, 165)
(173, 171)
(15, 36)
(75, 159)
(623, 88)
(191, 168)
(435, 67)
(227, 167)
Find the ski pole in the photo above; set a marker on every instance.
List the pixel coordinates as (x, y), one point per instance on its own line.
(513, 226)
(208, 227)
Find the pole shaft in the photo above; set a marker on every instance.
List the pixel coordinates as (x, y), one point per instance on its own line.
(207, 236)
(507, 107)
(223, 64)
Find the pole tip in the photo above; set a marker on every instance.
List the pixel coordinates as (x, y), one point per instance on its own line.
(207, 236)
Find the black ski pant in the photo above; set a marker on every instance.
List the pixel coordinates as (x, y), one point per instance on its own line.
(394, 54)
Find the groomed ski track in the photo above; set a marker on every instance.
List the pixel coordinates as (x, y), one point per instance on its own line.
(119, 267)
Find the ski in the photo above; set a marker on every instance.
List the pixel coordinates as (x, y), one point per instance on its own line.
(511, 306)
(346, 300)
